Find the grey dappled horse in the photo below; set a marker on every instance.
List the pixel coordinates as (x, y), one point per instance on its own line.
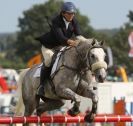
(72, 80)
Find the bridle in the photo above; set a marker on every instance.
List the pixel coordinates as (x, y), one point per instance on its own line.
(96, 65)
(87, 61)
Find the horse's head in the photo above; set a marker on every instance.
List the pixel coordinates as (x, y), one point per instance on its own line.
(96, 60)
(93, 56)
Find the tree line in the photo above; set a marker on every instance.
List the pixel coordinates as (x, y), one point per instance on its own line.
(21, 46)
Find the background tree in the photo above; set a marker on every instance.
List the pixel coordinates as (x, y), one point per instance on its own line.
(34, 24)
(18, 48)
(7, 52)
(130, 16)
(120, 47)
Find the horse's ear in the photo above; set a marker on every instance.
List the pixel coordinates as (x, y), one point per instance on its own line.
(93, 42)
(102, 42)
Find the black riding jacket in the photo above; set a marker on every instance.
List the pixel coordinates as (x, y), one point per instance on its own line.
(58, 34)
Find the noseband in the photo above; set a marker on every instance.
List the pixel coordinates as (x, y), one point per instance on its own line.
(96, 65)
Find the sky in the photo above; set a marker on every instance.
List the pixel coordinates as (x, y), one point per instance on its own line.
(102, 13)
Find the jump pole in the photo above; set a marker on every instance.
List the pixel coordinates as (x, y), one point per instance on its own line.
(64, 119)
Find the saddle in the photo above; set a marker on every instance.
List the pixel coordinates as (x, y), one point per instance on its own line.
(53, 65)
(55, 59)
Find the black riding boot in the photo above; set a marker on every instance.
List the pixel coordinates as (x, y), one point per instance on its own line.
(45, 71)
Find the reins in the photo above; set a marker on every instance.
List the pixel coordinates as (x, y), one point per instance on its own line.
(82, 59)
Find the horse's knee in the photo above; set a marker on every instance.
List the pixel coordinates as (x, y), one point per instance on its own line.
(95, 99)
(77, 99)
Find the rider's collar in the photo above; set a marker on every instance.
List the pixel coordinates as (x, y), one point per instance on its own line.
(66, 22)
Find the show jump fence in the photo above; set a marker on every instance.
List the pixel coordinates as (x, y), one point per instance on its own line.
(65, 119)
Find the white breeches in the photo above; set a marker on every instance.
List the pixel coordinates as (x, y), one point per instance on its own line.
(47, 55)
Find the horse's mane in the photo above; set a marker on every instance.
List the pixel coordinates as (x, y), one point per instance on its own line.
(83, 39)
(89, 41)
(84, 43)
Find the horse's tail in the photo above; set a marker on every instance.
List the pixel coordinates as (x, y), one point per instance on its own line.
(19, 108)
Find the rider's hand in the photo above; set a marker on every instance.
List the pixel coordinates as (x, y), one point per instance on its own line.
(71, 42)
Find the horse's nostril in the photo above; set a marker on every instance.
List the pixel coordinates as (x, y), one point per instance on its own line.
(100, 78)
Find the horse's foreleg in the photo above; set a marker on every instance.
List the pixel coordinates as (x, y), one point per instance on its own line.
(68, 94)
(89, 92)
(89, 117)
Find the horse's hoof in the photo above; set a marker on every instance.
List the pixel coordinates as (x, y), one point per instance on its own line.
(73, 113)
(89, 118)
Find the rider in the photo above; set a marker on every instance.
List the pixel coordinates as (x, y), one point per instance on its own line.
(62, 29)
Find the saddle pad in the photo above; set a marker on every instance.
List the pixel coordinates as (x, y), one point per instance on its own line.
(38, 71)
(56, 61)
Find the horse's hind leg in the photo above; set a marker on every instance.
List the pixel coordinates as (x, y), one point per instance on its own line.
(29, 108)
(30, 105)
(49, 105)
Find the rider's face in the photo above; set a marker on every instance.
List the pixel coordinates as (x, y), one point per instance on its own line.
(68, 16)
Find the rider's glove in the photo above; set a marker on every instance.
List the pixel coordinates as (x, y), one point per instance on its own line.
(71, 42)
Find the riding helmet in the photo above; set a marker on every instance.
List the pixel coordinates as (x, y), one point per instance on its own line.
(68, 7)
